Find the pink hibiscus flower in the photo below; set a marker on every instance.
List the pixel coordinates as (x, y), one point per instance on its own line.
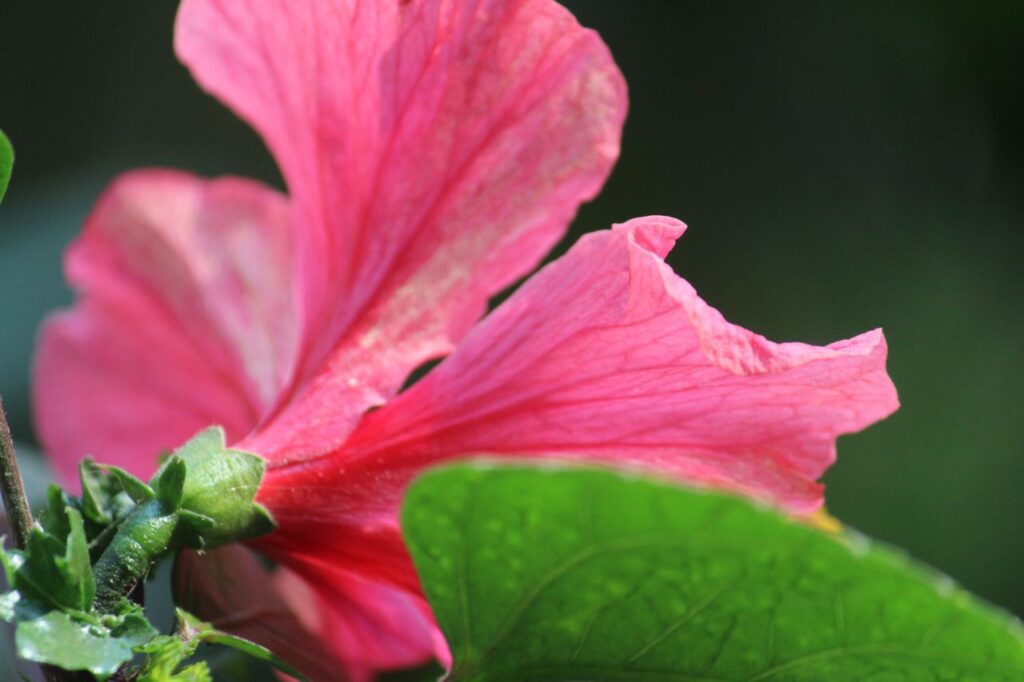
(434, 151)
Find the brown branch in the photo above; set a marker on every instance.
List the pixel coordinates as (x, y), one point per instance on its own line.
(19, 514)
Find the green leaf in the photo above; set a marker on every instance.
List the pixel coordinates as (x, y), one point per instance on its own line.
(133, 629)
(57, 572)
(46, 574)
(16, 606)
(6, 163)
(252, 649)
(58, 639)
(11, 560)
(75, 563)
(164, 655)
(569, 574)
(197, 672)
(54, 518)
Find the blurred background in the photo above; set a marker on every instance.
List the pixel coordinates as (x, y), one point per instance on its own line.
(842, 166)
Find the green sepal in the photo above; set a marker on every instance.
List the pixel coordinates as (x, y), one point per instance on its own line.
(106, 499)
(198, 523)
(169, 483)
(193, 527)
(6, 163)
(220, 485)
(136, 489)
(97, 493)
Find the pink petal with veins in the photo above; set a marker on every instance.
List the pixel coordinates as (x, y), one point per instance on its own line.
(434, 150)
(368, 625)
(605, 355)
(185, 318)
(364, 626)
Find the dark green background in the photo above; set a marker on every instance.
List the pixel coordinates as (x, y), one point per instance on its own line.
(841, 166)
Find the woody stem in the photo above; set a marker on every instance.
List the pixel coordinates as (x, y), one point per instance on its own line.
(19, 514)
(15, 503)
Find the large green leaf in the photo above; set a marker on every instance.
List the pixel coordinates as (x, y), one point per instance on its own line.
(6, 163)
(568, 574)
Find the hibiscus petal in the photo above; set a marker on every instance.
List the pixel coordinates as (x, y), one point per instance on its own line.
(218, 587)
(605, 355)
(435, 151)
(185, 318)
(368, 625)
(365, 627)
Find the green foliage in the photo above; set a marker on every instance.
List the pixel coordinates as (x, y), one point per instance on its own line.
(574, 574)
(199, 631)
(70, 586)
(75, 566)
(53, 588)
(55, 572)
(60, 639)
(166, 654)
(6, 163)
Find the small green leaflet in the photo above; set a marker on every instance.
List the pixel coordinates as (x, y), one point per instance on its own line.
(168, 652)
(57, 572)
(204, 632)
(51, 597)
(6, 163)
(578, 574)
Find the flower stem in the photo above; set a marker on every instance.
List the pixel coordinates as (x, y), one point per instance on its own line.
(18, 512)
(144, 537)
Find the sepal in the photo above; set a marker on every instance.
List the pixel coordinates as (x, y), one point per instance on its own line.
(221, 485)
(137, 490)
(169, 483)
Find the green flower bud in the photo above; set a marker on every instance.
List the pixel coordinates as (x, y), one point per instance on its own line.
(213, 487)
